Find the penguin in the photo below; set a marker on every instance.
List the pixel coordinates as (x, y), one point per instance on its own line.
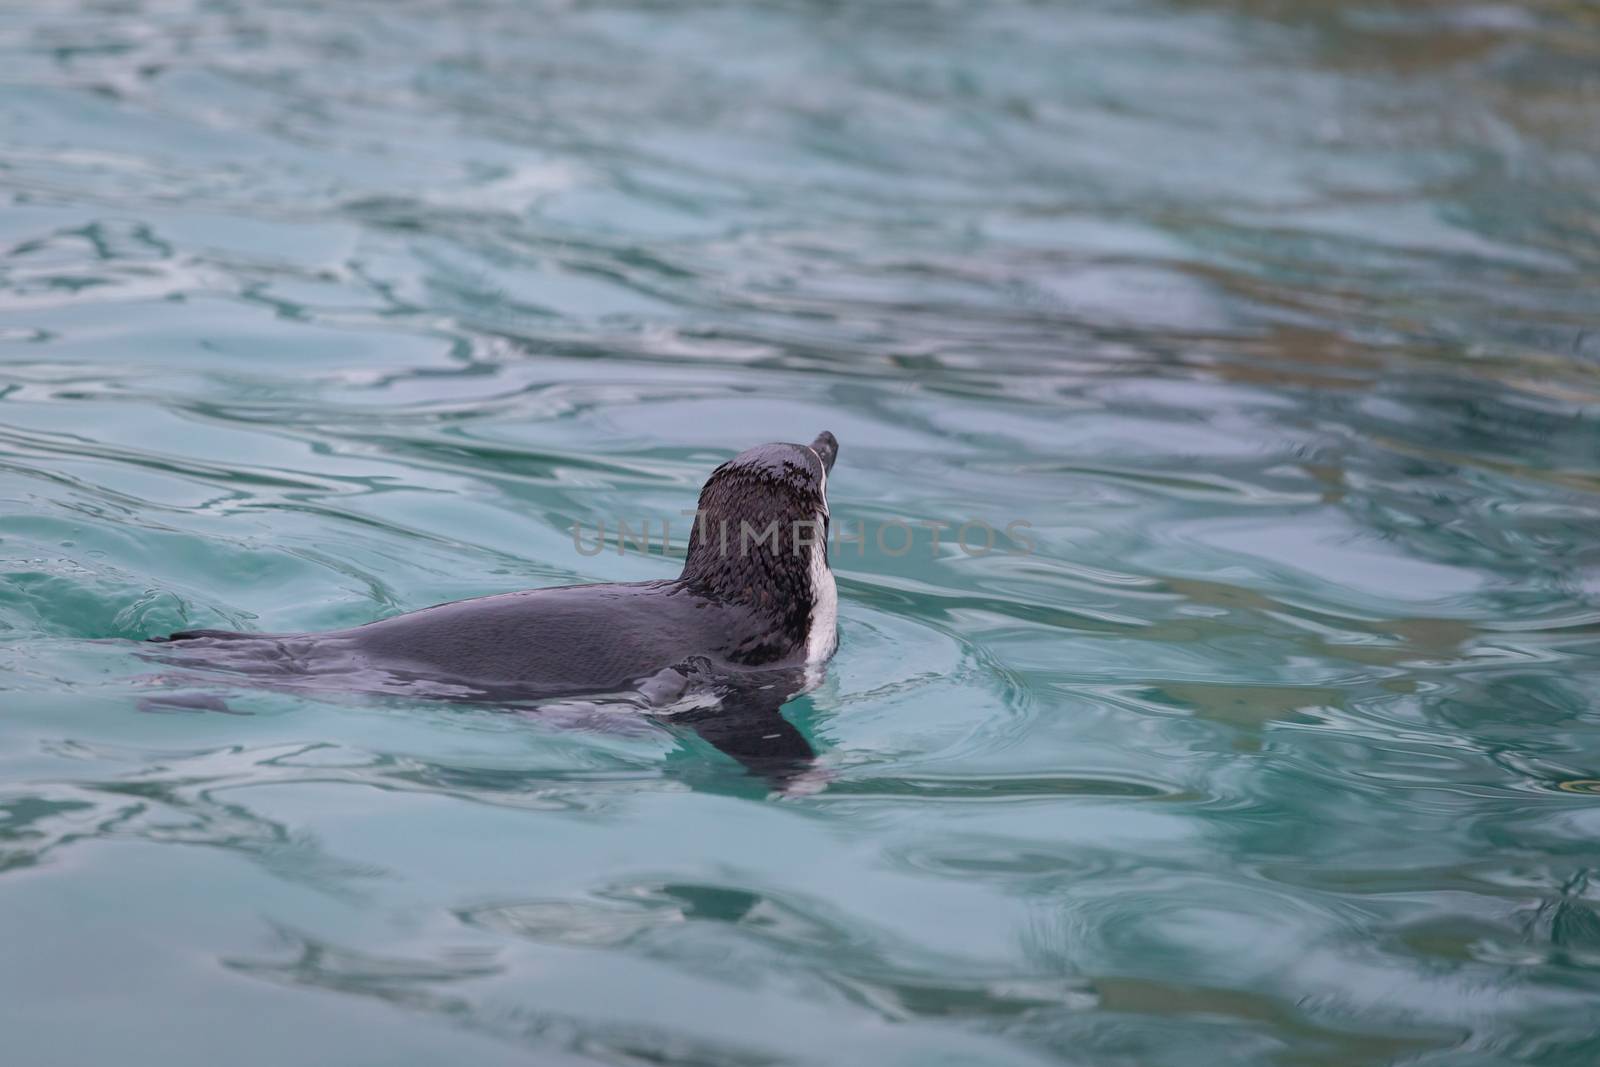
(747, 625)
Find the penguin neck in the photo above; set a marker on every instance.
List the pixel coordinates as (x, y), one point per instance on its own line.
(763, 574)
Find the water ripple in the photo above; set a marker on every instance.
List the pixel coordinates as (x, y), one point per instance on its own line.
(1274, 322)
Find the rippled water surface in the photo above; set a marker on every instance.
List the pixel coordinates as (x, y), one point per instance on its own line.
(1278, 322)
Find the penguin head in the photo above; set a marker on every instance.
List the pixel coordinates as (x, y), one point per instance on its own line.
(762, 527)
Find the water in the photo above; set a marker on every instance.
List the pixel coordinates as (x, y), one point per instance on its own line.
(1277, 322)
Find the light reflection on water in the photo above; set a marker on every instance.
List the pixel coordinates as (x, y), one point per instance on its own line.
(1275, 320)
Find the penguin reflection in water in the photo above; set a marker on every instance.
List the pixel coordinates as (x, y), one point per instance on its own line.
(746, 626)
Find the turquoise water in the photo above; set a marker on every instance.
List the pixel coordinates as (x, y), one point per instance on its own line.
(1277, 323)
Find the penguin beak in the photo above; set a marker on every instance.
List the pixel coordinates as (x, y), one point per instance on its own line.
(826, 446)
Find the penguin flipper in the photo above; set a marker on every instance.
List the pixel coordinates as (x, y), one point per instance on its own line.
(748, 724)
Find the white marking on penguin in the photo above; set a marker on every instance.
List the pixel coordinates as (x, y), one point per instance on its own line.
(822, 634)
